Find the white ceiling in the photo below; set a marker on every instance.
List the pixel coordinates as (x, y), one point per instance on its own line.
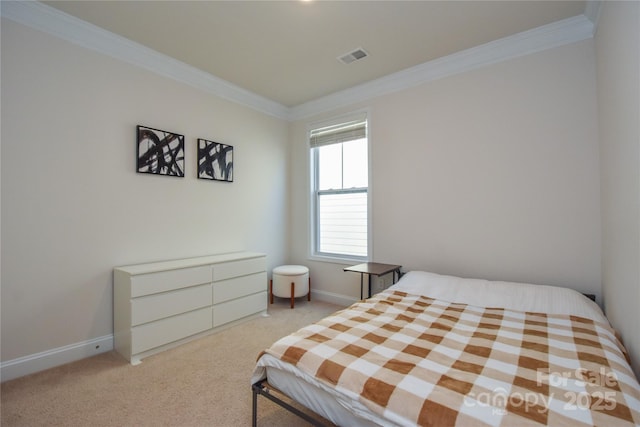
(287, 51)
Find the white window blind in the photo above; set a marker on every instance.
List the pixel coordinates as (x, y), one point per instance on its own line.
(339, 133)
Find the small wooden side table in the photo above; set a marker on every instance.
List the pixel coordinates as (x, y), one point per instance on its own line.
(373, 269)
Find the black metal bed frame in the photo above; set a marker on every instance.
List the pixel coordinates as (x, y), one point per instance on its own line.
(263, 388)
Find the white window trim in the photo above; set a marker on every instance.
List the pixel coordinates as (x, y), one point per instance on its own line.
(311, 208)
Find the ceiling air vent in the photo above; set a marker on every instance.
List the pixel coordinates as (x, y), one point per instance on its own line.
(352, 56)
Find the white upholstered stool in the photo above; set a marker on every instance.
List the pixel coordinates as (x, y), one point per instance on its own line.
(290, 281)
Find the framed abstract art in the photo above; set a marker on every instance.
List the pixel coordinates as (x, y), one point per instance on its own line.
(215, 161)
(160, 152)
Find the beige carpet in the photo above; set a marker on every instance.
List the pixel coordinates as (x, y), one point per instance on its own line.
(201, 383)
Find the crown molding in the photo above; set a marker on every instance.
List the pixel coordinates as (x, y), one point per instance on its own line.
(556, 34)
(55, 22)
(52, 21)
(592, 11)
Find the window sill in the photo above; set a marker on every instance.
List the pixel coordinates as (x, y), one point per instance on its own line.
(337, 260)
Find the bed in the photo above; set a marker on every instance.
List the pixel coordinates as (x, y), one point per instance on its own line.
(440, 350)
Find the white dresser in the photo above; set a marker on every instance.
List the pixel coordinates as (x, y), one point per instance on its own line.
(159, 305)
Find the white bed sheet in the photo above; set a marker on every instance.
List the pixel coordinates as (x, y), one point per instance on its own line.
(509, 295)
(483, 293)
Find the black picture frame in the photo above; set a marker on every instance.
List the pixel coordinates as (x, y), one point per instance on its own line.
(159, 152)
(215, 161)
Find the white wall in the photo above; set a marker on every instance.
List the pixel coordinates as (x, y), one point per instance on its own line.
(73, 206)
(618, 71)
(492, 173)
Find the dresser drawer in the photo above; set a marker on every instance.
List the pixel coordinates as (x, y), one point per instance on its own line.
(239, 308)
(237, 287)
(152, 283)
(238, 268)
(158, 306)
(155, 334)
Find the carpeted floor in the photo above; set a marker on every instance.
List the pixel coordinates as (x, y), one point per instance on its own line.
(201, 383)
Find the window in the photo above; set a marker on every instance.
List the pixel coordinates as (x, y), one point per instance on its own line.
(340, 177)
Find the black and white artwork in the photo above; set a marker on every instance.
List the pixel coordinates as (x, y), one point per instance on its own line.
(160, 152)
(215, 161)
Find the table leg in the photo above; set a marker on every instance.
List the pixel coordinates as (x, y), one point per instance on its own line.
(361, 285)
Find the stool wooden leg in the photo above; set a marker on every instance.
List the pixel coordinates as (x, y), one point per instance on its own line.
(293, 292)
(309, 294)
(271, 291)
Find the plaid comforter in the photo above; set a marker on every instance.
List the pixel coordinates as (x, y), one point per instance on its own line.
(413, 360)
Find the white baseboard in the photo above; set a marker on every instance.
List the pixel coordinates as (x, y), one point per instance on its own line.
(37, 362)
(337, 299)
(51, 358)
